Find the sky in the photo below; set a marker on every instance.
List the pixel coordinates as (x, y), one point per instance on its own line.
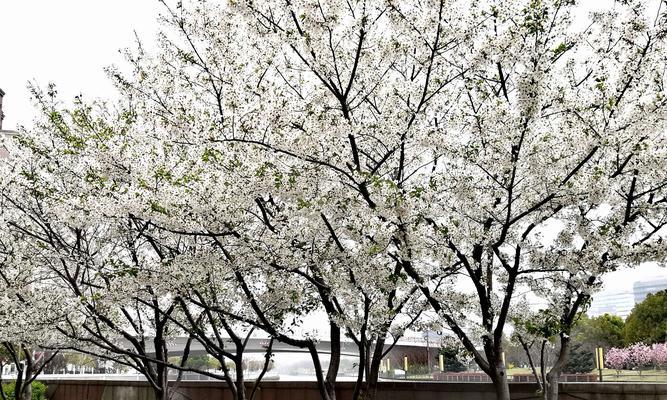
(69, 42)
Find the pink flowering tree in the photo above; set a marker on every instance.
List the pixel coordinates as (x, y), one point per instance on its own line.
(617, 359)
(640, 356)
(659, 355)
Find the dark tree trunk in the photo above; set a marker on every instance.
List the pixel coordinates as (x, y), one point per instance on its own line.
(359, 388)
(367, 389)
(26, 393)
(334, 362)
(162, 372)
(22, 387)
(370, 389)
(240, 380)
(322, 385)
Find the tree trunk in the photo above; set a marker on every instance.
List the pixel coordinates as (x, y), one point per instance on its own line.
(552, 379)
(499, 379)
(334, 361)
(360, 385)
(551, 387)
(161, 354)
(160, 380)
(371, 386)
(240, 380)
(369, 389)
(322, 384)
(161, 393)
(26, 393)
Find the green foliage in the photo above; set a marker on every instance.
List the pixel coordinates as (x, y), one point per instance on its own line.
(648, 321)
(602, 331)
(452, 354)
(202, 361)
(38, 391)
(199, 361)
(546, 325)
(581, 360)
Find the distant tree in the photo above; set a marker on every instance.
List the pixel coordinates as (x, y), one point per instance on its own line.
(580, 361)
(647, 322)
(659, 355)
(57, 365)
(453, 354)
(202, 361)
(617, 359)
(602, 331)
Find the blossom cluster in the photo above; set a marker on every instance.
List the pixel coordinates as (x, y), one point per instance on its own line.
(637, 356)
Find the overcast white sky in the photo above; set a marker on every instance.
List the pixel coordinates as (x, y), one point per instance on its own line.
(69, 42)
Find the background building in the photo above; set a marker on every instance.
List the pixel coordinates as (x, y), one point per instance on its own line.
(615, 303)
(3, 132)
(643, 287)
(621, 303)
(2, 115)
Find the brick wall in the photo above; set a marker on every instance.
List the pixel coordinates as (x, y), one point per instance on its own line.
(276, 390)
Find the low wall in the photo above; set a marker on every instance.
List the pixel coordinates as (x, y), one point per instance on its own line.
(276, 390)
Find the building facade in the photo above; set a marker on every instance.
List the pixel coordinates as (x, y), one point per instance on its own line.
(3, 133)
(2, 115)
(645, 287)
(621, 303)
(614, 303)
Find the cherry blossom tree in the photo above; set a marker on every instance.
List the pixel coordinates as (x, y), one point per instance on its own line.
(659, 355)
(617, 359)
(354, 157)
(22, 330)
(443, 136)
(640, 356)
(84, 260)
(637, 356)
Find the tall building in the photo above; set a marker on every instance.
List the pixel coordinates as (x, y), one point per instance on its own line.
(614, 303)
(645, 287)
(3, 133)
(2, 115)
(621, 303)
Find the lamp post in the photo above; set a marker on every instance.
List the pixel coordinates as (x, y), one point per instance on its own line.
(428, 352)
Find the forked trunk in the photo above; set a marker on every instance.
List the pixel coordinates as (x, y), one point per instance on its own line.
(23, 387)
(369, 388)
(326, 387)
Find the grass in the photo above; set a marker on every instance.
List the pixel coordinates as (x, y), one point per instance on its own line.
(608, 375)
(611, 375)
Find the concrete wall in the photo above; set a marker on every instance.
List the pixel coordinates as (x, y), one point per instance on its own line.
(275, 390)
